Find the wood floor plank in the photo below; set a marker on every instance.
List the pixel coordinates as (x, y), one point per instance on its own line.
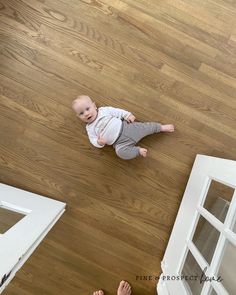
(218, 94)
(218, 75)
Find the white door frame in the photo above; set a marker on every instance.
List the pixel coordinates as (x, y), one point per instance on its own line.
(19, 242)
(204, 170)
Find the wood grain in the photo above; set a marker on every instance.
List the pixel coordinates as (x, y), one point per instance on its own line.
(170, 61)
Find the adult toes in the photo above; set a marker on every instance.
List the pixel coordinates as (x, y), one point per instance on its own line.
(122, 284)
(100, 292)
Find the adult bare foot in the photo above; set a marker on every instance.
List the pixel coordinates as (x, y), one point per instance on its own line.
(167, 128)
(124, 288)
(100, 292)
(143, 152)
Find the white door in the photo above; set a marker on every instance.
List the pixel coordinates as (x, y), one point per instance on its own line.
(201, 253)
(30, 218)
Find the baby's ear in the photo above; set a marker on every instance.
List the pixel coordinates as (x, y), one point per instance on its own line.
(94, 105)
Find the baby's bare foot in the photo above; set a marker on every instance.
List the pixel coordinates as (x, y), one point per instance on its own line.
(124, 288)
(100, 292)
(167, 128)
(143, 152)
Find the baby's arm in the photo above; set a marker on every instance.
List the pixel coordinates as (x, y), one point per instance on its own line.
(101, 141)
(131, 118)
(96, 141)
(120, 113)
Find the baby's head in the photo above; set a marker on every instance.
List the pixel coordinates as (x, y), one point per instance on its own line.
(85, 108)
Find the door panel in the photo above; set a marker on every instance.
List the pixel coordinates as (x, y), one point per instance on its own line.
(29, 218)
(202, 239)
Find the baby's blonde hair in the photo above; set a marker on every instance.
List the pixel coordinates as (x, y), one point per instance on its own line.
(79, 98)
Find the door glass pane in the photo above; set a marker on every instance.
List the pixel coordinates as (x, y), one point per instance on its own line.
(234, 225)
(192, 271)
(227, 268)
(218, 199)
(212, 292)
(8, 218)
(205, 238)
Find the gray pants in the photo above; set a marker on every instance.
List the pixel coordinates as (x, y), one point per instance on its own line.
(125, 145)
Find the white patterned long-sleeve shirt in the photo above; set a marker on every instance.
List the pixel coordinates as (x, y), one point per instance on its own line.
(107, 124)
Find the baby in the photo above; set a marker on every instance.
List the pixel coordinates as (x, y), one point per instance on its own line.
(113, 126)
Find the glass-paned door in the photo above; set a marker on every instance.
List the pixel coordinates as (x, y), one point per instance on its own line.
(25, 219)
(200, 258)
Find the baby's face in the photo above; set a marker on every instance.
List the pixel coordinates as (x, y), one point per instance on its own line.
(85, 109)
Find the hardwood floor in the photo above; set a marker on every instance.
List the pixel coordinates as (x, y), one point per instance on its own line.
(171, 61)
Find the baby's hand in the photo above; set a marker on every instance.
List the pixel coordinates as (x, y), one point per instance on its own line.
(101, 140)
(131, 118)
